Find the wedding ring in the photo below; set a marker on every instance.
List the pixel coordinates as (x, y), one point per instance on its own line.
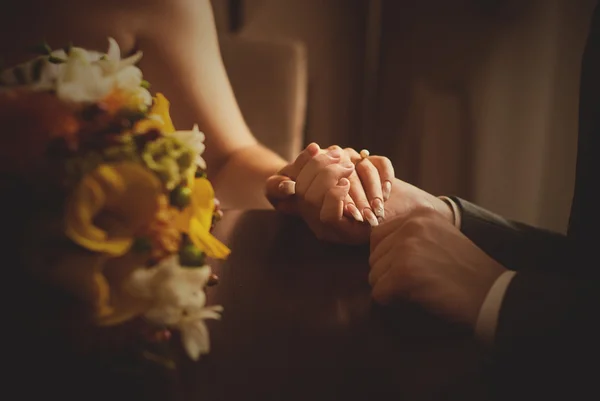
(364, 154)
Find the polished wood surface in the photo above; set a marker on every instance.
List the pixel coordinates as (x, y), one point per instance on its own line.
(299, 324)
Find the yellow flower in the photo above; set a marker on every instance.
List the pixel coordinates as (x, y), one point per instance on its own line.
(110, 205)
(196, 219)
(158, 118)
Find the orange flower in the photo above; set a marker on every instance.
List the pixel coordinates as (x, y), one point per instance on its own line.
(164, 236)
(29, 121)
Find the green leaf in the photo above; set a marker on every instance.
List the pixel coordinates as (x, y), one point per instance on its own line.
(145, 84)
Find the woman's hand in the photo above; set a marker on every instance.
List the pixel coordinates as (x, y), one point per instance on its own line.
(338, 192)
(370, 183)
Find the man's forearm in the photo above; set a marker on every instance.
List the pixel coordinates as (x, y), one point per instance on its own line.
(240, 181)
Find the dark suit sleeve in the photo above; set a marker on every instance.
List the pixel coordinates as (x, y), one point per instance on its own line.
(516, 246)
(546, 338)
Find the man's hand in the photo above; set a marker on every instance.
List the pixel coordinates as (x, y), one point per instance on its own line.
(407, 198)
(422, 258)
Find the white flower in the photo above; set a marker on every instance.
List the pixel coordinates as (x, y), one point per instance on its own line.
(193, 139)
(83, 76)
(178, 301)
(194, 333)
(80, 80)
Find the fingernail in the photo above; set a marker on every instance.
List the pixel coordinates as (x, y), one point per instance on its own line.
(353, 210)
(377, 205)
(371, 218)
(386, 189)
(287, 187)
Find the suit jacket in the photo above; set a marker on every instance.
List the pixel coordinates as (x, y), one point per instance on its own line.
(547, 339)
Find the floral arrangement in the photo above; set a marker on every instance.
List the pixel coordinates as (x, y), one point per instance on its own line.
(126, 207)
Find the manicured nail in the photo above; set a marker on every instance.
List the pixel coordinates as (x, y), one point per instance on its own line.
(287, 187)
(371, 218)
(386, 189)
(353, 210)
(377, 206)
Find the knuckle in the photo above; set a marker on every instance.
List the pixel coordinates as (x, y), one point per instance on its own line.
(351, 152)
(409, 245)
(380, 296)
(383, 165)
(319, 162)
(414, 226)
(365, 167)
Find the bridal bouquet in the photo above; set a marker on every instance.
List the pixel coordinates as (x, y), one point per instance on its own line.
(123, 210)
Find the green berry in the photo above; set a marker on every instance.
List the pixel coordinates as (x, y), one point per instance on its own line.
(191, 256)
(142, 245)
(180, 197)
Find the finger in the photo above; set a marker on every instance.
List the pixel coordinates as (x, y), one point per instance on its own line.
(383, 230)
(313, 167)
(371, 183)
(380, 268)
(333, 202)
(279, 187)
(384, 247)
(359, 197)
(293, 169)
(386, 174)
(327, 178)
(350, 210)
(352, 154)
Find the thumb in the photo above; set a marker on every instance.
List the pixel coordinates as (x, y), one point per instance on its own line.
(280, 191)
(278, 188)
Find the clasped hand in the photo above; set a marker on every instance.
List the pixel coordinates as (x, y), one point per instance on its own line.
(338, 193)
(417, 254)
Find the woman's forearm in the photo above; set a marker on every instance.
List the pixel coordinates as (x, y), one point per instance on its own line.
(240, 181)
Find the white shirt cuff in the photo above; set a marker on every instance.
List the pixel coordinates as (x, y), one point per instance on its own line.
(487, 320)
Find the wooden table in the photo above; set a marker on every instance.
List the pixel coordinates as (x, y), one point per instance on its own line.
(299, 324)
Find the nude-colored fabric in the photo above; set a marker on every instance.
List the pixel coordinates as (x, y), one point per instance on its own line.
(269, 79)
